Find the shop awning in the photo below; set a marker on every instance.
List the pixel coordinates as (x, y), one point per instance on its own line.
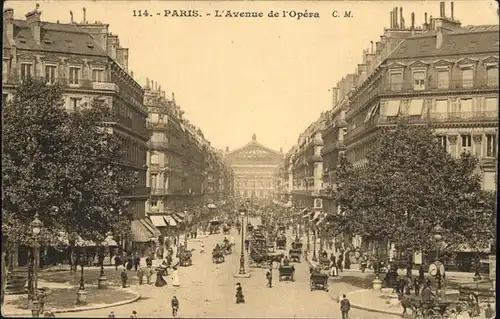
(110, 241)
(211, 205)
(158, 220)
(391, 108)
(149, 225)
(415, 107)
(170, 220)
(142, 232)
(177, 217)
(64, 238)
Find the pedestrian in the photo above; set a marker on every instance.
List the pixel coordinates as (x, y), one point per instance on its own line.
(118, 262)
(112, 315)
(49, 314)
(239, 294)
(134, 314)
(149, 274)
(140, 275)
(149, 261)
(124, 277)
(345, 306)
(269, 276)
(202, 247)
(137, 261)
(175, 306)
(160, 281)
(489, 313)
(416, 285)
(175, 278)
(339, 262)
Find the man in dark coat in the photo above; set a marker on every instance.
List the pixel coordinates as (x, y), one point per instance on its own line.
(124, 277)
(345, 306)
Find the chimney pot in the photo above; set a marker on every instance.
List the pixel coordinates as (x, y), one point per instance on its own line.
(392, 20)
(441, 11)
(413, 20)
(452, 11)
(401, 18)
(395, 16)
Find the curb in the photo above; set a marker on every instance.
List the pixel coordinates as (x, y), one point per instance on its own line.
(365, 308)
(79, 309)
(358, 306)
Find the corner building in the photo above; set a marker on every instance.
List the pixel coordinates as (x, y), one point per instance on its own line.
(90, 64)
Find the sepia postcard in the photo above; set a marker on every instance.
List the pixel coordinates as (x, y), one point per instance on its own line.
(249, 159)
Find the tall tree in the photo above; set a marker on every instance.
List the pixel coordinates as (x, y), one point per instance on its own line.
(65, 166)
(408, 186)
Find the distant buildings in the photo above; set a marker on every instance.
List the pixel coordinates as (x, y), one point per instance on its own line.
(185, 173)
(254, 170)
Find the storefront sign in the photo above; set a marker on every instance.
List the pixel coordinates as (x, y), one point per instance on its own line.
(417, 258)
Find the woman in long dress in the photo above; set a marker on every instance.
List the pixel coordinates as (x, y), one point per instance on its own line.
(160, 281)
(175, 278)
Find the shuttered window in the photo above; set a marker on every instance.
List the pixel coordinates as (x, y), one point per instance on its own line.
(419, 80)
(492, 76)
(467, 78)
(396, 81)
(443, 79)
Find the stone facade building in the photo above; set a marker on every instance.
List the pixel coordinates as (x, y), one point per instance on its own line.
(184, 171)
(254, 170)
(90, 64)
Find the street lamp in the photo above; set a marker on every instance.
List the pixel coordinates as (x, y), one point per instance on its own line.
(314, 258)
(437, 269)
(242, 210)
(81, 295)
(36, 227)
(102, 278)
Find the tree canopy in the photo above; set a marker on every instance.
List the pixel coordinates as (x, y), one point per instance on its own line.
(408, 186)
(65, 166)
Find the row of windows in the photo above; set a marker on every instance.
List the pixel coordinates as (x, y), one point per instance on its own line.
(420, 80)
(254, 184)
(485, 147)
(51, 73)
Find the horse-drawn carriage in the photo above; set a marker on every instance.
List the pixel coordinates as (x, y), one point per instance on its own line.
(226, 229)
(214, 227)
(286, 272)
(281, 243)
(324, 262)
(227, 248)
(217, 256)
(263, 259)
(185, 256)
(319, 280)
(296, 251)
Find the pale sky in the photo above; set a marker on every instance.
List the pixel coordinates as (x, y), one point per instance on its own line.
(238, 76)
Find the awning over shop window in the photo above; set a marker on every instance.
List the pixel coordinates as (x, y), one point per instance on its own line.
(177, 217)
(391, 108)
(415, 107)
(149, 225)
(170, 221)
(372, 112)
(211, 205)
(142, 232)
(64, 238)
(158, 220)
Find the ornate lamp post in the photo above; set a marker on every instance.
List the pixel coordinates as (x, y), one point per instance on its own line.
(81, 294)
(242, 273)
(437, 268)
(36, 227)
(102, 277)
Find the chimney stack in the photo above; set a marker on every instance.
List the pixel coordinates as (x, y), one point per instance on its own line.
(413, 20)
(425, 18)
(378, 47)
(33, 20)
(441, 10)
(392, 20)
(431, 21)
(371, 42)
(84, 15)
(401, 18)
(71, 14)
(452, 11)
(8, 23)
(395, 16)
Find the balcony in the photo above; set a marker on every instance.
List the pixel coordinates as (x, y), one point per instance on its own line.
(141, 191)
(428, 118)
(160, 191)
(158, 145)
(156, 125)
(105, 86)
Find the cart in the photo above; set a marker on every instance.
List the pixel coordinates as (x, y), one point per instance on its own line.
(295, 254)
(319, 281)
(281, 243)
(286, 273)
(324, 263)
(214, 227)
(217, 257)
(226, 229)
